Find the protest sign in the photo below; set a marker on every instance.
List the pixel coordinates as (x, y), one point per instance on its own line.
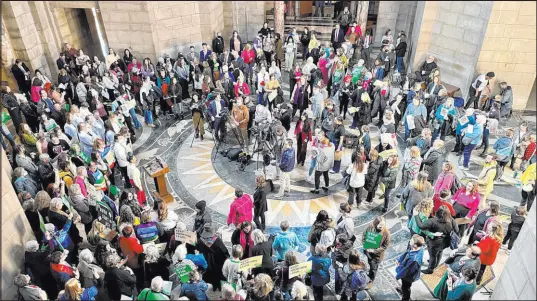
(372, 240)
(186, 236)
(300, 269)
(250, 263)
(105, 215)
(182, 272)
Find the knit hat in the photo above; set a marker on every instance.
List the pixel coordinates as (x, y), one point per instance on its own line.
(201, 205)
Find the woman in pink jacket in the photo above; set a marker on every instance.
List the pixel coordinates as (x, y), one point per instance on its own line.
(241, 209)
(445, 179)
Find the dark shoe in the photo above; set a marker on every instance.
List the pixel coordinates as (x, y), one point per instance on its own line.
(201, 137)
(369, 200)
(384, 210)
(197, 135)
(480, 147)
(325, 189)
(399, 290)
(459, 154)
(427, 271)
(316, 191)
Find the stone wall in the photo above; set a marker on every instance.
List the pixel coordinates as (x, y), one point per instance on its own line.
(248, 18)
(509, 47)
(15, 233)
(387, 18)
(517, 281)
(8, 55)
(453, 31)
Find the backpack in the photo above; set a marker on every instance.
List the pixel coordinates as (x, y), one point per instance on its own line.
(358, 280)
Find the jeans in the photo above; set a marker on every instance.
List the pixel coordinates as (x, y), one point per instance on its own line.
(405, 288)
(318, 178)
(9, 138)
(399, 64)
(373, 266)
(285, 178)
(289, 58)
(305, 52)
(259, 220)
(219, 128)
(510, 237)
(148, 116)
(480, 274)
(435, 255)
(387, 197)
(137, 123)
(319, 4)
(355, 193)
(467, 152)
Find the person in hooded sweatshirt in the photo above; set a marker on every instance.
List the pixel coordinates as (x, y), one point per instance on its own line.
(408, 266)
(285, 240)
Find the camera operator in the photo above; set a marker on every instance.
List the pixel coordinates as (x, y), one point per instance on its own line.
(241, 116)
(283, 113)
(218, 119)
(262, 115)
(251, 114)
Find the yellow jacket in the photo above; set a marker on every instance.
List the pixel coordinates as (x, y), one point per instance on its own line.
(485, 180)
(529, 174)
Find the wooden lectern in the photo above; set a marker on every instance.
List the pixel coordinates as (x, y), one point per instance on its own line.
(157, 168)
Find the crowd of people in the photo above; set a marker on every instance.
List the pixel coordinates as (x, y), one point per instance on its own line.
(99, 237)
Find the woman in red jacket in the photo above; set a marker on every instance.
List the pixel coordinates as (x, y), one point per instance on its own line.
(248, 56)
(489, 245)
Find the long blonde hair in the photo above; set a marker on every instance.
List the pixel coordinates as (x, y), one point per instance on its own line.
(262, 285)
(72, 289)
(420, 183)
(496, 231)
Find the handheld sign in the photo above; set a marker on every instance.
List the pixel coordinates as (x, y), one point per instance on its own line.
(186, 236)
(463, 120)
(299, 269)
(167, 287)
(372, 240)
(105, 215)
(182, 272)
(250, 263)
(41, 223)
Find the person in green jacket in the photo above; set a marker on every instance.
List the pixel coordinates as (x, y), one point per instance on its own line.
(155, 292)
(424, 209)
(462, 288)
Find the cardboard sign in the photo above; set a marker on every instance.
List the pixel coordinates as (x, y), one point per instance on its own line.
(470, 128)
(105, 215)
(300, 269)
(167, 287)
(372, 240)
(410, 122)
(123, 297)
(41, 223)
(250, 263)
(444, 112)
(463, 120)
(186, 236)
(182, 272)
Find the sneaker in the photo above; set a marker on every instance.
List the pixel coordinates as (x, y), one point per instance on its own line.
(325, 188)
(399, 290)
(316, 191)
(427, 271)
(504, 247)
(384, 210)
(465, 168)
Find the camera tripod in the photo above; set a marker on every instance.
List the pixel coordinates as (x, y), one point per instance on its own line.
(262, 145)
(229, 127)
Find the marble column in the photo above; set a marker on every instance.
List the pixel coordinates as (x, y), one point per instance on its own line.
(279, 18)
(361, 14)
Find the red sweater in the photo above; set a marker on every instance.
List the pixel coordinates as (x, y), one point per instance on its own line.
(489, 249)
(131, 247)
(438, 203)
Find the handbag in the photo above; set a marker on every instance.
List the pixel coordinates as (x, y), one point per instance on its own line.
(346, 179)
(454, 240)
(338, 155)
(527, 187)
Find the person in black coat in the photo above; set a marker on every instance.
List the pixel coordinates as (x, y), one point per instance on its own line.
(373, 174)
(29, 110)
(263, 247)
(425, 70)
(443, 223)
(37, 267)
(22, 75)
(202, 217)
(10, 102)
(154, 265)
(400, 51)
(337, 37)
(218, 43)
(119, 280)
(215, 252)
(61, 62)
(260, 202)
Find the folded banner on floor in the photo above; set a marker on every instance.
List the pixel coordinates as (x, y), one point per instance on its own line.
(299, 269)
(250, 263)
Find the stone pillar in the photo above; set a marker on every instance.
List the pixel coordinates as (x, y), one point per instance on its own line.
(361, 14)
(387, 18)
(297, 8)
(517, 280)
(279, 17)
(16, 232)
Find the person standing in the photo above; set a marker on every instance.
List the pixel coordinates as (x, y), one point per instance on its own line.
(489, 245)
(518, 217)
(504, 148)
(337, 37)
(10, 102)
(375, 254)
(260, 202)
(303, 135)
(408, 266)
(218, 43)
(529, 188)
(400, 51)
(471, 138)
(215, 109)
(22, 76)
(373, 175)
(324, 161)
(241, 115)
(305, 42)
(319, 5)
(241, 209)
(476, 89)
(285, 241)
(388, 178)
(486, 177)
(286, 164)
(357, 172)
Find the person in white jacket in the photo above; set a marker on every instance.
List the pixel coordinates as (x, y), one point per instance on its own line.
(325, 161)
(357, 170)
(344, 222)
(120, 151)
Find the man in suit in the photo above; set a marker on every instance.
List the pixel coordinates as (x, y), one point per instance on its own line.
(204, 53)
(192, 55)
(62, 63)
(338, 36)
(22, 75)
(226, 58)
(215, 110)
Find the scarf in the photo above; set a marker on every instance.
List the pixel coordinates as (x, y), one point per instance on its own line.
(243, 243)
(62, 268)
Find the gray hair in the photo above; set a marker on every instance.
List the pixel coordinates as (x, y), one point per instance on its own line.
(55, 202)
(180, 254)
(151, 254)
(21, 280)
(112, 261)
(299, 290)
(320, 250)
(86, 256)
(19, 172)
(228, 292)
(29, 204)
(50, 228)
(258, 236)
(75, 189)
(32, 246)
(156, 284)
(42, 157)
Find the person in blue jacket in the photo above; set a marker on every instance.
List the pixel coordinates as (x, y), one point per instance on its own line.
(408, 266)
(195, 288)
(445, 112)
(285, 240)
(287, 164)
(415, 109)
(320, 274)
(475, 135)
(463, 123)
